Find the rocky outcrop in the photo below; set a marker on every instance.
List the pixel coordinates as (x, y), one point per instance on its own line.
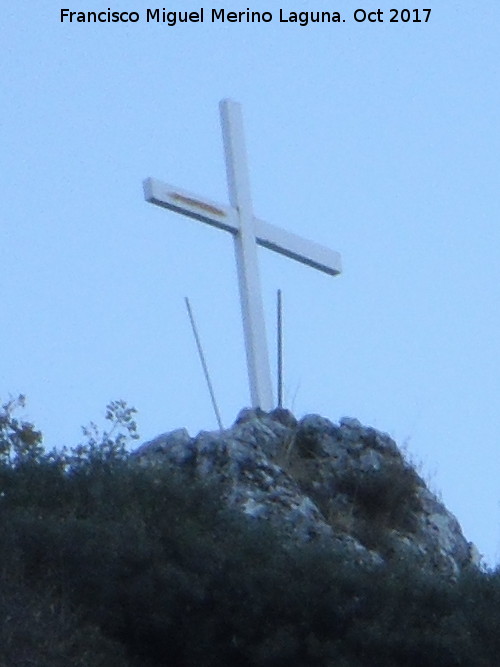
(344, 484)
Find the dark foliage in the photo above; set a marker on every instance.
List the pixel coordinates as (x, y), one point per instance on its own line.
(383, 499)
(107, 563)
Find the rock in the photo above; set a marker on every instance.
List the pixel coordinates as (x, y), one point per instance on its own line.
(370, 460)
(346, 484)
(177, 445)
(349, 422)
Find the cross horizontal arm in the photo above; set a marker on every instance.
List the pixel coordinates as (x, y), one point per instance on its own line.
(224, 217)
(181, 201)
(296, 247)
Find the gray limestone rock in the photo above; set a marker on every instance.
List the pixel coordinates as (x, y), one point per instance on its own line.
(175, 445)
(347, 484)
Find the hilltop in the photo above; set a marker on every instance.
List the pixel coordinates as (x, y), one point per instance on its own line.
(277, 541)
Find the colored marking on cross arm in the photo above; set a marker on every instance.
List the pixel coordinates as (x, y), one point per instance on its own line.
(198, 204)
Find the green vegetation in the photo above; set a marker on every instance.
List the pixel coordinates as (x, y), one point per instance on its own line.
(383, 500)
(104, 562)
(366, 503)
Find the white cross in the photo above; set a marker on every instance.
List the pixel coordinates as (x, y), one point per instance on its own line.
(248, 232)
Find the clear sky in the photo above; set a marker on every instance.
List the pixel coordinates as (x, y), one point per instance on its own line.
(378, 139)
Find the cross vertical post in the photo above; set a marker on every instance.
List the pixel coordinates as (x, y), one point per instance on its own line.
(252, 309)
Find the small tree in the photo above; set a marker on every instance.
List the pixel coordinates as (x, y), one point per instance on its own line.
(20, 442)
(106, 446)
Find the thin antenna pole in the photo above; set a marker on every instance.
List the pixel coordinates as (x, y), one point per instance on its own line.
(280, 350)
(203, 363)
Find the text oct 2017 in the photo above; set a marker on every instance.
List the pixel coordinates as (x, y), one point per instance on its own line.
(303, 18)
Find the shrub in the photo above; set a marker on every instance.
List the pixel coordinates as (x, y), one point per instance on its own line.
(107, 563)
(19, 441)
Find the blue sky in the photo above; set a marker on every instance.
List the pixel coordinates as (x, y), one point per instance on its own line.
(379, 140)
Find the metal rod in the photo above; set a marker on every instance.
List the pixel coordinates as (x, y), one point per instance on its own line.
(280, 350)
(203, 363)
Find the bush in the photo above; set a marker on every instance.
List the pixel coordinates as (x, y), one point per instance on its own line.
(108, 563)
(19, 441)
(388, 494)
(39, 628)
